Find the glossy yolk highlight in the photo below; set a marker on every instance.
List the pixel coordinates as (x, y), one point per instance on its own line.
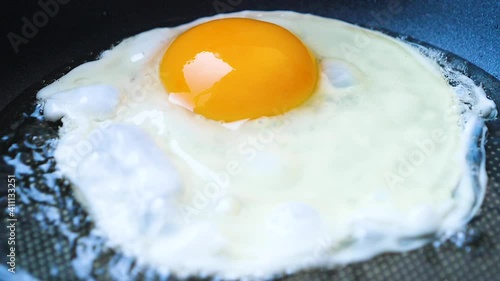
(233, 69)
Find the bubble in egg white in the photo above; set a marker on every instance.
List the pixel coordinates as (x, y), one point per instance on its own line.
(339, 73)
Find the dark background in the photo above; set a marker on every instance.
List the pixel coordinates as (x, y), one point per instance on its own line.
(467, 28)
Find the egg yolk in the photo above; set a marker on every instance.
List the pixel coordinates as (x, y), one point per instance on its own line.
(235, 68)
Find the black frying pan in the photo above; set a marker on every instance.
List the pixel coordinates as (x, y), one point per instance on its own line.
(81, 29)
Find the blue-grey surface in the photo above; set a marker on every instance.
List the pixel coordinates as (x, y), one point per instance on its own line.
(470, 29)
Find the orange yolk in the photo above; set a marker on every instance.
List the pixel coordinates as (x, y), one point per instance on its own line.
(233, 69)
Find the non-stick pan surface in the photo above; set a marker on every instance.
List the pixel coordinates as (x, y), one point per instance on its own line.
(80, 30)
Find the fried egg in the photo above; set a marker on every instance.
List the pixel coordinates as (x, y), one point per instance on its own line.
(258, 143)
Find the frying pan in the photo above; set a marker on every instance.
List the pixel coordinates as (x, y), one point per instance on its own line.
(79, 30)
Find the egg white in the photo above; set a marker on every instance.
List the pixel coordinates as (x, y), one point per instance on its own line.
(373, 162)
